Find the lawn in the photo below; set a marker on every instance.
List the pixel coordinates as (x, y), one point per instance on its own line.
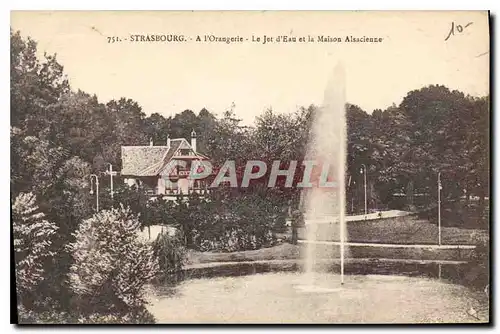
(400, 230)
(283, 251)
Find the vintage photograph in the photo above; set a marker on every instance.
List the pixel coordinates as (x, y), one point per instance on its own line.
(250, 167)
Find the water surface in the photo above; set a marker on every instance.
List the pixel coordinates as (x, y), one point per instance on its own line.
(281, 298)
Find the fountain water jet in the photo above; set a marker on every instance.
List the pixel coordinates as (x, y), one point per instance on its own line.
(327, 145)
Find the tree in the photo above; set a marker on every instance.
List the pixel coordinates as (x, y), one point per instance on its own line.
(360, 149)
(81, 124)
(428, 112)
(182, 124)
(157, 128)
(35, 163)
(230, 140)
(432, 130)
(127, 128)
(35, 85)
(59, 181)
(478, 150)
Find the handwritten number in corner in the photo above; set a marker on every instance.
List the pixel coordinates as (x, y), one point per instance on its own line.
(458, 28)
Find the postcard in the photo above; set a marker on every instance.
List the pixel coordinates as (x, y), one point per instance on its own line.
(250, 167)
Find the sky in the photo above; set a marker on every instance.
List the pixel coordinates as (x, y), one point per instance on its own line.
(168, 78)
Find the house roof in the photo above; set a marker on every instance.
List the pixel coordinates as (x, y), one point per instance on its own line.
(149, 160)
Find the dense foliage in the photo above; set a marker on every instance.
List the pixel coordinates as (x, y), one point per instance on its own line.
(170, 250)
(111, 264)
(404, 146)
(33, 236)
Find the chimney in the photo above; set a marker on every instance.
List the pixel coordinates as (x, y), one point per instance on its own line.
(168, 141)
(151, 141)
(193, 140)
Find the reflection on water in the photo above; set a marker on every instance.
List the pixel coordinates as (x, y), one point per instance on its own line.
(277, 298)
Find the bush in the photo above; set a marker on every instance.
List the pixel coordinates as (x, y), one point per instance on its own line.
(140, 316)
(478, 274)
(32, 241)
(26, 316)
(110, 264)
(223, 221)
(171, 253)
(233, 223)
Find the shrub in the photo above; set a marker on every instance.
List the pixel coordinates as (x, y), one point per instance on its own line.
(111, 265)
(26, 316)
(137, 316)
(140, 316)
(171, 253)
(479, 265)
(223, 221)
(32, 242)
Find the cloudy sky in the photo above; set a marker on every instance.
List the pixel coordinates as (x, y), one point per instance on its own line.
(170, 77)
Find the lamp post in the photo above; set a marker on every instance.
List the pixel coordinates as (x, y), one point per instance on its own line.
(363, 171)
(111, 173)
(92, 177)
(439, 207)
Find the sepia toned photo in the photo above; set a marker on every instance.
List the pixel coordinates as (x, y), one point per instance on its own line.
(250, 167)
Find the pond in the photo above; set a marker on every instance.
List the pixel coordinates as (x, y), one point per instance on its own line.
(283, 297)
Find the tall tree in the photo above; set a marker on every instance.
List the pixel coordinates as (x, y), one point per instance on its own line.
(35, 84)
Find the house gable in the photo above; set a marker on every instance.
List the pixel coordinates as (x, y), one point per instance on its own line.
(153, 160)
